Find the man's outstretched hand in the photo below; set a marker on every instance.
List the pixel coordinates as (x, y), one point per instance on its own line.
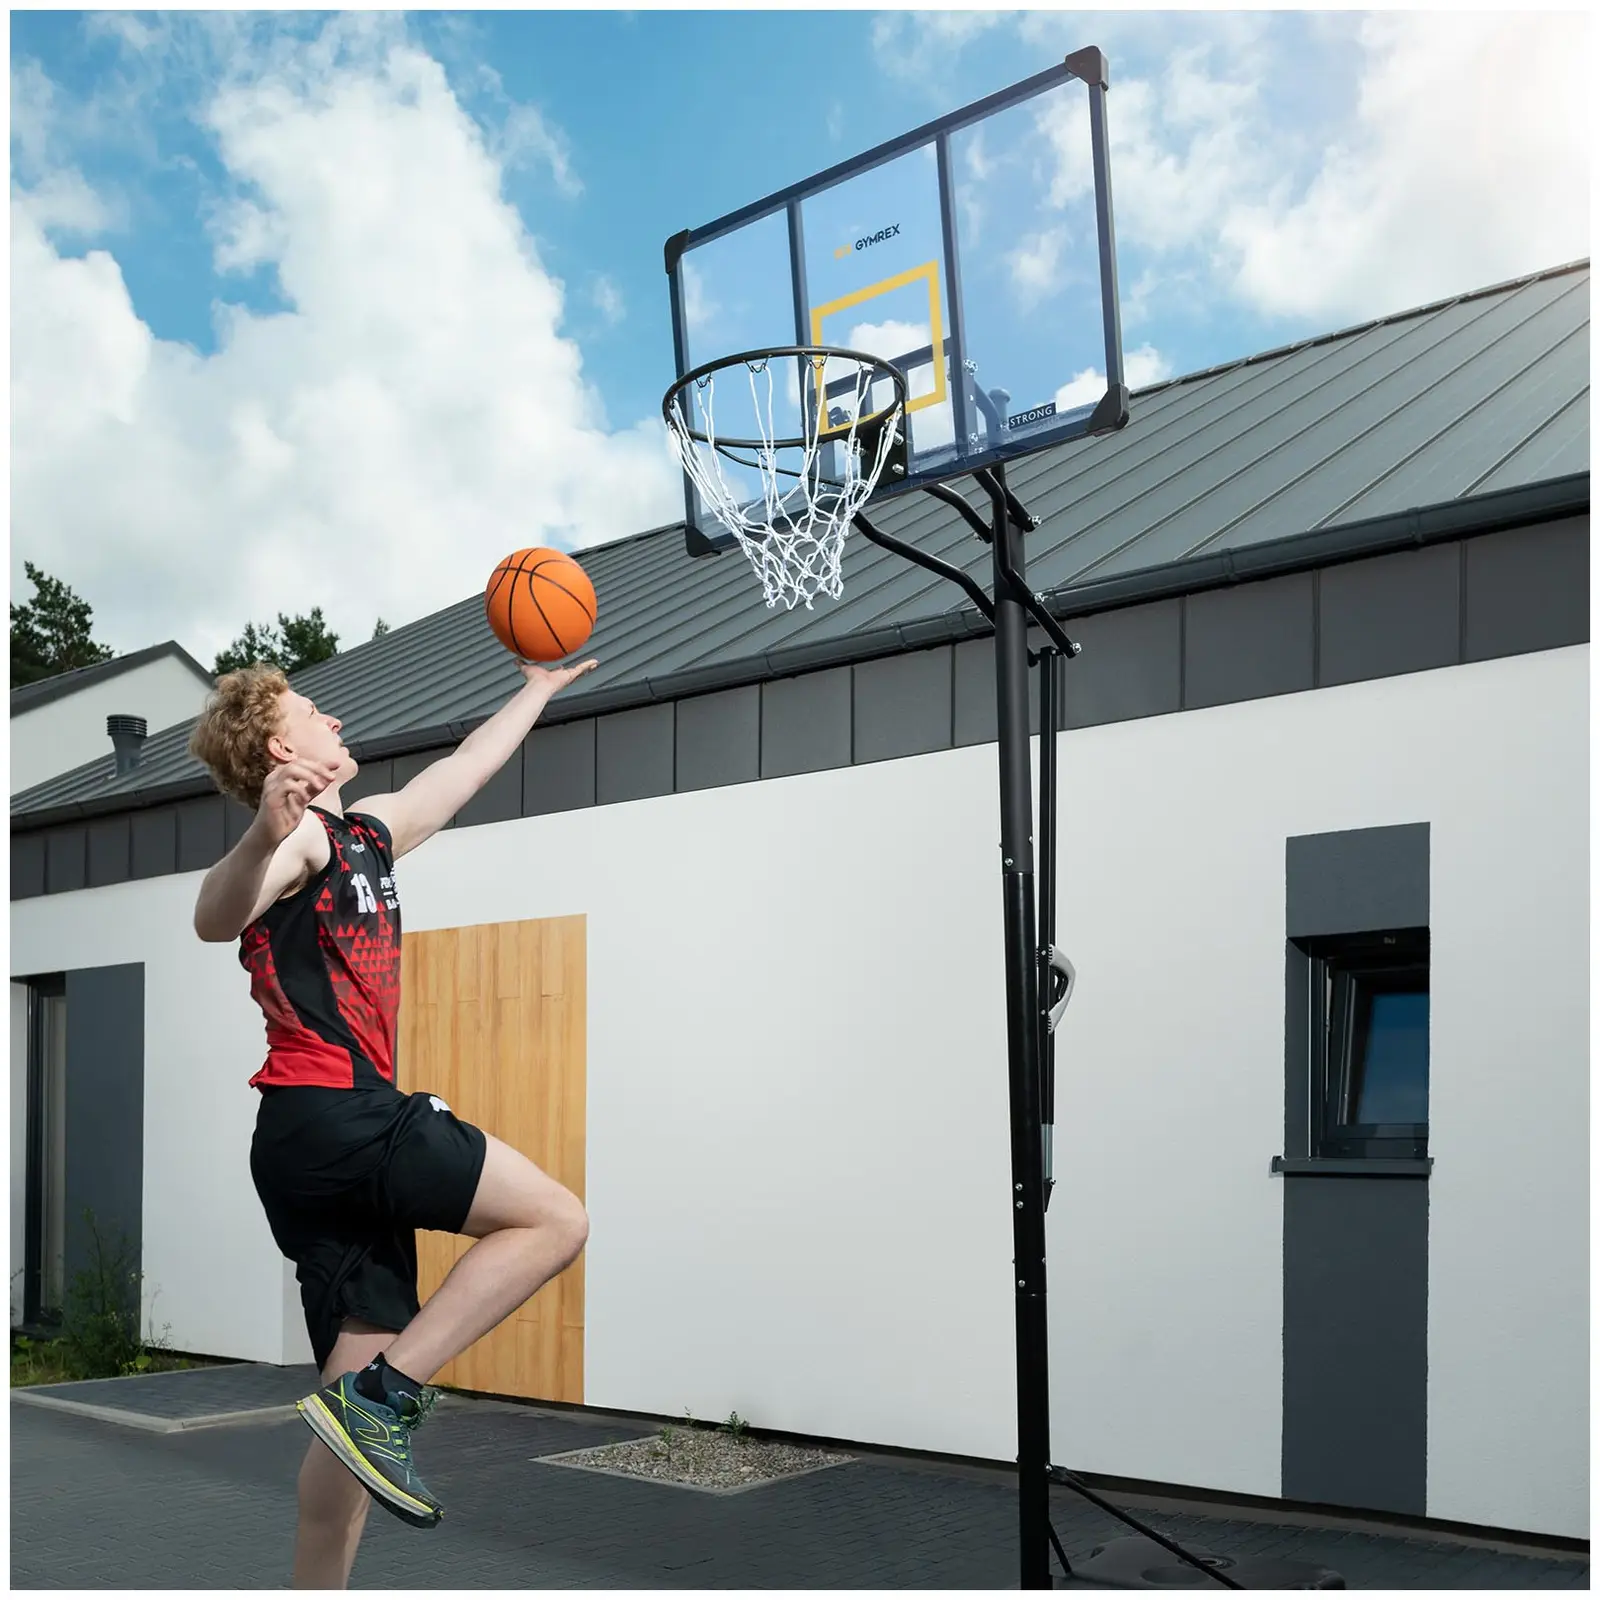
(555, 679)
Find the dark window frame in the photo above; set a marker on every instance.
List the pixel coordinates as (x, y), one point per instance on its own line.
(1347, 971)
(36, 1317)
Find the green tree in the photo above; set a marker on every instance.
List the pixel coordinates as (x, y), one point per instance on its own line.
(52, 633)
(296, 642)
(381, 629)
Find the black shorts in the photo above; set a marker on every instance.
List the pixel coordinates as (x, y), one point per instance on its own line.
(346, 1177)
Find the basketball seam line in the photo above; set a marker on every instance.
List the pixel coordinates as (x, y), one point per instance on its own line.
(549, 626)
(554, 583)
(511, 610)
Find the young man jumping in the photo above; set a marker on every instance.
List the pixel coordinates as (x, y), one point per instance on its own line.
(347, 1167)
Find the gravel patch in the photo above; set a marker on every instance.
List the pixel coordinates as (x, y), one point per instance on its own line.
(701, 1458)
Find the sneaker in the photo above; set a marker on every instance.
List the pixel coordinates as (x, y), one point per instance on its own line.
(373, 1439)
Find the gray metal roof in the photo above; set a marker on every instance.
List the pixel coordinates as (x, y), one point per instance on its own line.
(1468, 403)
(33, 695)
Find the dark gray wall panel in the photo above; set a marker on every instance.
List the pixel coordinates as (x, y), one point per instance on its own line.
(27, 865)
(719, 738)
(499, 800)
(904, 705)
(1355, 1343)
(200, 829)
(975, 713)
(110, 851)
(236, 820)
(558, 768)
(1131, 665)
(633, 754)
(1527, 589)
(104, 1110)
(1393, 614)
(1364, 880)
(66, 859)
(1248, 642)
(373, 777)
(155, 842)
(805, 723)
(404, 768)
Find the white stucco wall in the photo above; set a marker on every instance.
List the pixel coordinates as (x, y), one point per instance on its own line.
(63, 734)
(797, 1115)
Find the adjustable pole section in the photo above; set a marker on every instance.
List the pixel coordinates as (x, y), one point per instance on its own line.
(1049, 722)
(1023, 1035)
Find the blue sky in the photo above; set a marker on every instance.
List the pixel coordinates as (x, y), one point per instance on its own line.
(393, 286)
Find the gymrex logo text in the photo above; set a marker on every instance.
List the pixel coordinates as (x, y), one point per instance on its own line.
(868, 242)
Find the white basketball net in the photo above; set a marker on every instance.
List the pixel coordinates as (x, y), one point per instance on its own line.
(810, 486)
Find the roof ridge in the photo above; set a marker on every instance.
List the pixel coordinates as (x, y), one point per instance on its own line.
(1465, 297)
(42, 691)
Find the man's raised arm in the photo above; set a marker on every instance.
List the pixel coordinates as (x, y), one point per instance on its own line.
(429, 801)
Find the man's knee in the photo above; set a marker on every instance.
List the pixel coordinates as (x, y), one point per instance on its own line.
(570, 1221)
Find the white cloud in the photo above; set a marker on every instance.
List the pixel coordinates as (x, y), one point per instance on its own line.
(1454, 174)
(931, 426)
(415, 412)
(699, 309)
(1182, 148)
(526, 138)
(607, 298)
(919, 45)
(1036, 265)
(1140, 368)
(1322, 166)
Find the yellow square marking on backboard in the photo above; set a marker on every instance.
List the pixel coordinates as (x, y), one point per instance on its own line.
(928, 270)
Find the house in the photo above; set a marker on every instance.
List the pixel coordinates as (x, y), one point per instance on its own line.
(722, 951)
(60, 723)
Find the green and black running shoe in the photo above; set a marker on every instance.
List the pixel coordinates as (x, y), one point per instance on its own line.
(373, 1439)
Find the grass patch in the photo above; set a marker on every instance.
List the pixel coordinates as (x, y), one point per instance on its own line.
(100, 1328)
(43, 1361)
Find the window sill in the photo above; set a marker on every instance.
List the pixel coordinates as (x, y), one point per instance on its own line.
(1337, 1167)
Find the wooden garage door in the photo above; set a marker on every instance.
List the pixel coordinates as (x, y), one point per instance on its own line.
(492, 1020)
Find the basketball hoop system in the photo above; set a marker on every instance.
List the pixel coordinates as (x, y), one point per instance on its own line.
(813, 479)
(787, 457)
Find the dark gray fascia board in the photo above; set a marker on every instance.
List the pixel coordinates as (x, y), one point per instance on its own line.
(1326, 547)
(1352, 541)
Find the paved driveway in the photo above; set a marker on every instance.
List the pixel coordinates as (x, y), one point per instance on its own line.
(101, 1504)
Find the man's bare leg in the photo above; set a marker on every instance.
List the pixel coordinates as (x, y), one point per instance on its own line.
(528, 1227)
(333, 1504)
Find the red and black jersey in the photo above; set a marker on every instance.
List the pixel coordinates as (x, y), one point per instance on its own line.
(324, 965)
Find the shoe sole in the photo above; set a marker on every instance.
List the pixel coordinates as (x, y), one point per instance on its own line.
(325, 1425)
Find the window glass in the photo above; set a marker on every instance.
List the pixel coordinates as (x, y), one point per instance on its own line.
(1392, 1072)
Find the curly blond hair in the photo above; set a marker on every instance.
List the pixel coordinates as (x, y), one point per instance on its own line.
(231, 736)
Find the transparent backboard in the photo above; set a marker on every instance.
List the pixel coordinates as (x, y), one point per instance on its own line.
(975, 254)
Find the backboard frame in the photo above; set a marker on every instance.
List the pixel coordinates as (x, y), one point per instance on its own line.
(969, 408)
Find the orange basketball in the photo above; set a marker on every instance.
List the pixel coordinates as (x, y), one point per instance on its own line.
(540, 604)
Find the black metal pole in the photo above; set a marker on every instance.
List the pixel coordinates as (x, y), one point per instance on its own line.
(1022, 1029)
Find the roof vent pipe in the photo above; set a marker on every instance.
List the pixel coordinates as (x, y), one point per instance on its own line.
(128, 735)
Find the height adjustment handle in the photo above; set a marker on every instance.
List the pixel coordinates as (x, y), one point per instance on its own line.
(1059, 963)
